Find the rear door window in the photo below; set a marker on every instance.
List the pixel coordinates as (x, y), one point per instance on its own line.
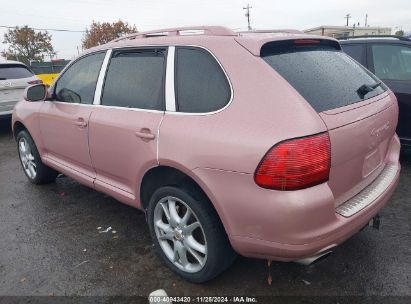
(135, 79)
(201, 85)
(14, 71)
(325, 76)
(392, 62)
(356, 51)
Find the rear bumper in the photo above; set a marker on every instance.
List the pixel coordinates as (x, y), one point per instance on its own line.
(6, 114)
(287, 225)
(6, 108)
(405, 143)
(345, 228)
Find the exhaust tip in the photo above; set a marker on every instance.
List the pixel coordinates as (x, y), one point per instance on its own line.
(314, 259)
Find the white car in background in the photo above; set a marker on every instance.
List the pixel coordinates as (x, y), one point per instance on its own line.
(14, 78)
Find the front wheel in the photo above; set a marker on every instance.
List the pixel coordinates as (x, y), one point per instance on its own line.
(188, 234)
(33, 167)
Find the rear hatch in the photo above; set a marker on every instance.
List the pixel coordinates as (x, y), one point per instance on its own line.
(357, 109)
(14, 78)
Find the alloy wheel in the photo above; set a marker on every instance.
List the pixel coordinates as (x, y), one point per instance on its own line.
(27, 158)
(180, 234)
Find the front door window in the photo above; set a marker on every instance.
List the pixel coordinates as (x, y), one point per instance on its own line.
(78, 83)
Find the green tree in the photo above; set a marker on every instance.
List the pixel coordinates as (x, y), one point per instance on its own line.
(101, 33)
(25, 44)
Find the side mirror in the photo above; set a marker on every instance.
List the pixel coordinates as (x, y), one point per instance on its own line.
(37, 92)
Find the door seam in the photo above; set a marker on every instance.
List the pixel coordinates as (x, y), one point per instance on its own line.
(88, 146)
(158, 138)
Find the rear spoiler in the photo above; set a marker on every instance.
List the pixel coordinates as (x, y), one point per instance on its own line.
(254, 44)
(294, 45)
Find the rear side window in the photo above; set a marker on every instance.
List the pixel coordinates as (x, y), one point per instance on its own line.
(14, 71)
(392, 62)
(135, 79)
(356, 51)
(201, 85)
(325, 76)
(78, 83)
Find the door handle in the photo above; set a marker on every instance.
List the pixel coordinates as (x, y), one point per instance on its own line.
(80, 122)
(145, 134)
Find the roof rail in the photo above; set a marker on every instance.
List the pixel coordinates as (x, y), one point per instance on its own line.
(375, 36)
(287, 31)
(181, 31)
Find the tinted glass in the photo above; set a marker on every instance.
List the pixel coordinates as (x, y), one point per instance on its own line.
(78, 83)
(325, 76)
(14, 71)
(356, 51)
(135, 80)
(392, 62)
(201, 85)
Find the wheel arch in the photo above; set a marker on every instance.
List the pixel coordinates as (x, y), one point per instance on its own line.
(165, 175)
(17, 127)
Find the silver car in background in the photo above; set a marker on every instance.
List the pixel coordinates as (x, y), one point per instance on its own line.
(14, 78)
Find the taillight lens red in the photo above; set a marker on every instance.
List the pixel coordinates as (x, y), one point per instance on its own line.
(35, 82)
(296, 164)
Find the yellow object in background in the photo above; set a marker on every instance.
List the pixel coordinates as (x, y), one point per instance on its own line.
(47, 78)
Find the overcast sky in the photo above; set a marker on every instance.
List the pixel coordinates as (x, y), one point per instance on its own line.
(154, 14)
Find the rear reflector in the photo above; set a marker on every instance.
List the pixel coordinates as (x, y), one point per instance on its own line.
(296, 164)
(35, 82)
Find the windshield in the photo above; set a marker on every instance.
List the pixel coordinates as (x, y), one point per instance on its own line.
(325, 76)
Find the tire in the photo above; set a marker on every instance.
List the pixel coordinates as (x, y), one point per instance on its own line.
(30, 160)
(215, 251)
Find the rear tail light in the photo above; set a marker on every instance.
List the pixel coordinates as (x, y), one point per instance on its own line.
(39, 81)
(296, 164)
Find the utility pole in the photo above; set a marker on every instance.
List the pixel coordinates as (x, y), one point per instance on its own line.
(348, 16)
(247, 14)
(366, 19)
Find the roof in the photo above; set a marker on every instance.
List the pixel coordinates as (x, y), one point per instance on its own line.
(380, 39)
(203, 35)
(338, 27)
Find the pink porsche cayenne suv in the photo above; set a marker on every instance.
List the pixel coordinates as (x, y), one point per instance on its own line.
(269, 144)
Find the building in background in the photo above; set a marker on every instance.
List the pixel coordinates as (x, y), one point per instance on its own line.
(348, 31)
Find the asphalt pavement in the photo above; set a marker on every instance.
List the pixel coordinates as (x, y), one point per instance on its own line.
(51, 245)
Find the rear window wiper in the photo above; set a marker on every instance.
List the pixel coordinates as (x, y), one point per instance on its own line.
(367, 88)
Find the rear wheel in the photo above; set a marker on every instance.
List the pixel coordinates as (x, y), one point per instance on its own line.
(33, 167)
(188, 234)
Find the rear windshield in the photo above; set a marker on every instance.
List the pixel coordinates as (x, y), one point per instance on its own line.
(325, 76)
(14, 71)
